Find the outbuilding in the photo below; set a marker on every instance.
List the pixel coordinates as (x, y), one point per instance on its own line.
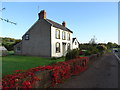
(3, 51)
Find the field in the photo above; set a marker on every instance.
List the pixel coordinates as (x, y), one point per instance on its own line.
(11, 63)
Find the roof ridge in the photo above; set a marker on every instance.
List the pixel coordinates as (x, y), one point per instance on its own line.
(55, 24)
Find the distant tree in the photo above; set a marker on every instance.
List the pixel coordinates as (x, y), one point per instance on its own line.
(112, 45)
(93, 41)
(109, 44)
(101, 48)
(9, 43)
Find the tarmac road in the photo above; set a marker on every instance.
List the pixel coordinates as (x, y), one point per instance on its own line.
(102, 74)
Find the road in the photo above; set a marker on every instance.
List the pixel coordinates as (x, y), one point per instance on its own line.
(117, 54)
(102, 74)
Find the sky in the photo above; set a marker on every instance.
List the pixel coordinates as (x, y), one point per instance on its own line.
(85, 19)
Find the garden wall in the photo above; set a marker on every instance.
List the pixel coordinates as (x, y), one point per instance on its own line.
(46, 76)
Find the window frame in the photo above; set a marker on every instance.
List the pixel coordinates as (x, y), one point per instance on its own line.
(63, 35)
(57, 34)
(68, 36)
(27, 36)
(75, 43)
(18, 50)
(57, 48)
(68, 46)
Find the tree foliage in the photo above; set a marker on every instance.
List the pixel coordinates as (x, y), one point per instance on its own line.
(9, 43)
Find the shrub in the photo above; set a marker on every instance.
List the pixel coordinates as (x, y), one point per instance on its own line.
(87, 53)
(32, 78)
(53, 58)
(72, 54)
(102, 48)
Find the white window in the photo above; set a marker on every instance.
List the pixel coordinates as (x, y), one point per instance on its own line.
(57, 47)
(63, 35)
(27, 37)
(68, 46)
(68, 36)
(75, 43)
(57, 34)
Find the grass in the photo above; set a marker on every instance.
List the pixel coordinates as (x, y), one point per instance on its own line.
(11, 63)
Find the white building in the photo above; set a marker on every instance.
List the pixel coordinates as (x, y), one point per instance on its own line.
(45, 38)
(3, 51)
(75, 43)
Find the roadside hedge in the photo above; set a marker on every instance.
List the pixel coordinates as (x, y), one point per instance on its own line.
(45, 76)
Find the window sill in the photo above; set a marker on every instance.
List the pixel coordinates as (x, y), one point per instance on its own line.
(57, 52)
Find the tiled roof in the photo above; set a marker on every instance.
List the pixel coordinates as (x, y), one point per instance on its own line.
(57, 25)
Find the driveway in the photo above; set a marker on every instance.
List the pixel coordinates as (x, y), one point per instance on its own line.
(103, 73)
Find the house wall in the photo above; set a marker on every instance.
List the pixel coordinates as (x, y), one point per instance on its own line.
(15, 48)
(54, 41)
(77, 44)
(39, 40)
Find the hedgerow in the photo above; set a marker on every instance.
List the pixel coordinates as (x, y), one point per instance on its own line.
(58, 72)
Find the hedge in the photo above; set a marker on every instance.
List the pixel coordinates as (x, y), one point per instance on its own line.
(45, 76)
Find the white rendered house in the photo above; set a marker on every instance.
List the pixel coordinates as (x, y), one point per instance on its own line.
(45, 38)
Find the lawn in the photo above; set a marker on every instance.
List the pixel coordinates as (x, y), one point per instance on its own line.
(11, 63)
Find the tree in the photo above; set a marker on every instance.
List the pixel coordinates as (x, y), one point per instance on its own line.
(101, 48)
(112, 45)
(9, 43)
(93, 40)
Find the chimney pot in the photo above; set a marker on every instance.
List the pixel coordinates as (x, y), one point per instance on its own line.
(42, 14)
(64, 23)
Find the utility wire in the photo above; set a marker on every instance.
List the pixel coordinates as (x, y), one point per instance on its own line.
(6, 20)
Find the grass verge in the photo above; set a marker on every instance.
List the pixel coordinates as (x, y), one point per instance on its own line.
(11, 63)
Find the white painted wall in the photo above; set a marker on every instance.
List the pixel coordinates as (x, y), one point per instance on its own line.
(77, 44)
(54, 41)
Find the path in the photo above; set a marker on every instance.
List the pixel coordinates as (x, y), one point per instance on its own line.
(102, 74)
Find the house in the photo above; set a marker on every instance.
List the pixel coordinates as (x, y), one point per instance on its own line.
(3, 51)
(45, 38)
(75, 43)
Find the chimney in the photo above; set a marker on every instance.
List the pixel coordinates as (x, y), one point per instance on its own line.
(42, 14)
(64, 23)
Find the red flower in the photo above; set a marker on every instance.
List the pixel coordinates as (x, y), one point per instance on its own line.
(18, 71)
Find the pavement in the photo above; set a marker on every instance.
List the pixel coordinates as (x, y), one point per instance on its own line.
(103, 73)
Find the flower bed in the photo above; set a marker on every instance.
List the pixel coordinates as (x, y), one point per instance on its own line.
(45, 76)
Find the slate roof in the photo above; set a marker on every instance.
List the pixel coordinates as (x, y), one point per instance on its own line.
(57, 25)
(73, 39)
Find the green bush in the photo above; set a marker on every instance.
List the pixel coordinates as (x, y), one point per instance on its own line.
(102, 48)
(95, 51)
(87, 53)
(72, 54)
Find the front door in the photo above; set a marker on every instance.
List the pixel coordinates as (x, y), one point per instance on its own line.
(64, 48)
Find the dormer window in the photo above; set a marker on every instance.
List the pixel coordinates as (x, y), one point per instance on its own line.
(27, 37)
